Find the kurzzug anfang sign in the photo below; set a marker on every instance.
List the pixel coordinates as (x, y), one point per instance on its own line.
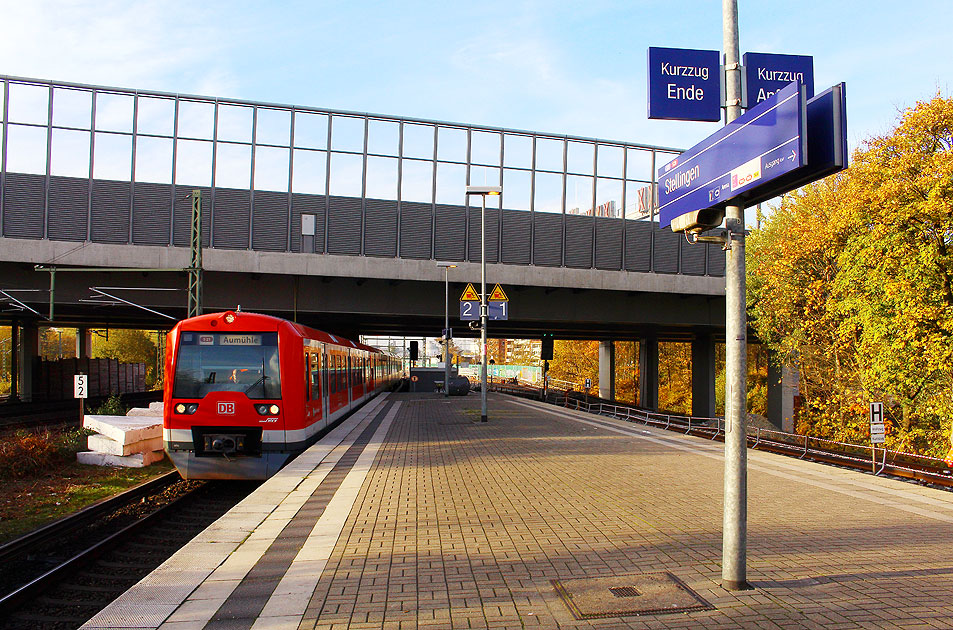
(766, 73)
(684, 84)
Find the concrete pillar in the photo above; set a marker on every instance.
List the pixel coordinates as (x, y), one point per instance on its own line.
(27, 355)
(782, 389)
(703, 376)
(607, 370)
(648, 373)
(84, 343)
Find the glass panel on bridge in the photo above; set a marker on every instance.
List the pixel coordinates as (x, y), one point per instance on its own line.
(418, 141)
(71, 108)
(234, 123)
(28, 104)
(156, 116)
(579, 158)
(113, 112)
(451, 144)
(518, 151)
(383, 138)
(549, 154)
(271, 169)
(548, 192)
(273, 127)
(196, 119)
(578, 195)
(638, 164)
(638, 198)
(310, 130)
(70, 153)
(112, 156)
(346, 174)
(154, 160)
(382, 177)
(609, 162)
(347, 134)
(233, 165)
(451, 183)
(516, 189)
(608, 197)
(310, 171)
(416, 182)
(485, 148)
(485, 176)
(193, 163)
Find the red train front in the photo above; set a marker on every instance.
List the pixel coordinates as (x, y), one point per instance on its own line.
(246, 392)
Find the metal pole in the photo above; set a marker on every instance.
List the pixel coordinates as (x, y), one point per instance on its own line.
(735, 518)
(483, 312)
(446, 331)
(195, 263)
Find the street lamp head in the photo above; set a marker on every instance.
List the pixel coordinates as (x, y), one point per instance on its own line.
(445, 265)
(484, 190)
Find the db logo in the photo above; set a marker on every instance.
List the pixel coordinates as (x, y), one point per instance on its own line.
(226, 408)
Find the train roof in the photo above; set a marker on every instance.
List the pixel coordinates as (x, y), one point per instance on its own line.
(248, 320)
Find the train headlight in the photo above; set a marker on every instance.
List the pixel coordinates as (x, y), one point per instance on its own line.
(266, 409)
(274, 410)
(186, 409)
(229, 317)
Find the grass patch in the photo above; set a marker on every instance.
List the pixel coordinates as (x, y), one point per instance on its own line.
(43, 481)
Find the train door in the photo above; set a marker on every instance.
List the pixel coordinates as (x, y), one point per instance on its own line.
(315, 410)
(350, 379)
(323, 366)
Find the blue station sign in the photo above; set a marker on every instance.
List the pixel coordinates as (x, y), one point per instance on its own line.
(763, 144)
(766, 73)
(684, 84)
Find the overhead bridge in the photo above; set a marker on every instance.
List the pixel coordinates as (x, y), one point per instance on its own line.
(336, 218)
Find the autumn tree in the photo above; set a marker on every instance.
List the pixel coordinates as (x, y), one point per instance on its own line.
(575, 361)
(129, 346)
(851, 279)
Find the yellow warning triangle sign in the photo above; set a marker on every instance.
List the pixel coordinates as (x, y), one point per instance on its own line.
(470, 294)
(497, 295)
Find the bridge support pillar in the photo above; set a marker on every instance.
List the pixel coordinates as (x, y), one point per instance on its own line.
(703, 376)
(782, 389)
(84, 343)
(607, 370)
(27, 354)
(648, 373)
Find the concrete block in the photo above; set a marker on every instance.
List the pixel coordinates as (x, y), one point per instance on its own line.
(136, 460)
(154, 409)
(125, 429)
(103, 444)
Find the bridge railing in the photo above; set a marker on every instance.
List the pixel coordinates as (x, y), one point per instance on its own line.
(112, 165)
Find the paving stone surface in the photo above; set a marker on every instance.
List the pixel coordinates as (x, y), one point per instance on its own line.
(462, 524)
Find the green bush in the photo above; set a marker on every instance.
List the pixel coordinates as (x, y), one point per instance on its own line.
(112, 407)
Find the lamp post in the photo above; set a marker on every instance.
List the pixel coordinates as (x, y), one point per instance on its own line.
(446, 325)
(483, 191)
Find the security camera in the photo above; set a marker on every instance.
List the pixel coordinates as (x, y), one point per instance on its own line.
(698, 220)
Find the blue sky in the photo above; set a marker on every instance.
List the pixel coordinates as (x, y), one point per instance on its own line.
(565, 67)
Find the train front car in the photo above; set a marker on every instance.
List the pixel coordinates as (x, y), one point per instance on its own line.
(224, 416)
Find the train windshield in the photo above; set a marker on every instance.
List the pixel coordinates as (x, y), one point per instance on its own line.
(227, 362)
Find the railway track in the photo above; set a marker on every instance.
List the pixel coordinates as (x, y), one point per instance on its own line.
(63, 574)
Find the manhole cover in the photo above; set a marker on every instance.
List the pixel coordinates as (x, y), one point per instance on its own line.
(625, 595)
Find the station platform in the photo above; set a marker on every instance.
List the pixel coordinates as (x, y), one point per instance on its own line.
(412, 515)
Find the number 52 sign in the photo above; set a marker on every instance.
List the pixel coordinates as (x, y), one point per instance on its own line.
(80, 386)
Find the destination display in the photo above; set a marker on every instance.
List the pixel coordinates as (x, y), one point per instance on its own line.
(766, 73)
(763, 144)
(684, 84)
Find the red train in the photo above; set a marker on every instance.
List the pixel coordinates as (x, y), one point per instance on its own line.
(246, 392)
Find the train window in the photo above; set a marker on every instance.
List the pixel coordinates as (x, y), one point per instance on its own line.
(213, 362)
(315, 373)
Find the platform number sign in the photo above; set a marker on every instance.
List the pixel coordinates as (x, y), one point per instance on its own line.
(81, 386)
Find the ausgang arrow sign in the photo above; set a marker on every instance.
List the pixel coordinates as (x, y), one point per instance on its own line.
(763, 144)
